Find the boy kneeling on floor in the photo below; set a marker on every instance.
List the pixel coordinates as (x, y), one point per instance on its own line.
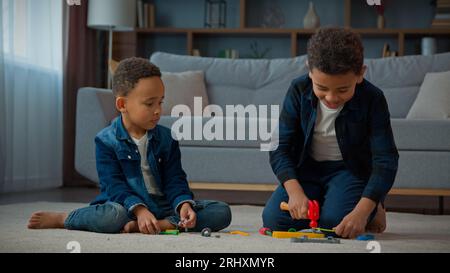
(335, 143)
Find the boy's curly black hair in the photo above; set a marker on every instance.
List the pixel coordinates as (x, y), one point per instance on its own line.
(129, 72)
(336, 51)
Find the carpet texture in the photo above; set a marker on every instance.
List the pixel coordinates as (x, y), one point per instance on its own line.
(405, 233)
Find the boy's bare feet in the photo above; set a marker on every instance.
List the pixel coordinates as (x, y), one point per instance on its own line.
(133, 227)
(378, 224)
(41, 219)
(165, 225)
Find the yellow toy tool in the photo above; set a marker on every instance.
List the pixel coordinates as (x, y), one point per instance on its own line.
(239, 233)
(287, 234)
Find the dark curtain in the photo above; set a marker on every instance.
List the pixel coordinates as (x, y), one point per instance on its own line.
(85, 66)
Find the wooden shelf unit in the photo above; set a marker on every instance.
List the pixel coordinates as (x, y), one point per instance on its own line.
(126, 44)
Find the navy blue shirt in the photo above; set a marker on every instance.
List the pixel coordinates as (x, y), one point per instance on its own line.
(363, 132)
(119, 169)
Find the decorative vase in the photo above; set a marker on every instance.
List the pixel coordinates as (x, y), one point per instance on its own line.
(429, 46)
(311, 19)
(381, 21)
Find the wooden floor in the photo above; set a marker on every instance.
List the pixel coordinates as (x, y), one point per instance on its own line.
(398, 203)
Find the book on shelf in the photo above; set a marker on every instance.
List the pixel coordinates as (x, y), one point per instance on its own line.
(440, 23)
(443, 4)
(145, 14)
(442, 16)
(151, 15)
(145, 10)
(140, 13)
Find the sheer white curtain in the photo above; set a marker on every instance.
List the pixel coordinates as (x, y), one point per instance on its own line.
(31, 65)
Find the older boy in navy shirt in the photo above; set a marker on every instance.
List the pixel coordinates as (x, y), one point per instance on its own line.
(335, 143)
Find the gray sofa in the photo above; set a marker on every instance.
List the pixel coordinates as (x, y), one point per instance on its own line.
(424, 145)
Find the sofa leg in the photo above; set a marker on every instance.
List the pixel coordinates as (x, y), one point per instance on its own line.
(441, 205)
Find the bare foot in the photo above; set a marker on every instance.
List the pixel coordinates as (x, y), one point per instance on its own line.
(165, 225)
(378, 224)
(41, 219)
(131, 227)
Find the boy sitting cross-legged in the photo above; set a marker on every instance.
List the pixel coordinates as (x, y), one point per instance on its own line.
(142, 183)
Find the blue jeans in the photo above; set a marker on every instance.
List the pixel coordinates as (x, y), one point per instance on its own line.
(330, 183)
(111, 217)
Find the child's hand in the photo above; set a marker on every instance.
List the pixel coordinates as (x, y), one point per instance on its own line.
(298, 201)
(298, 206)
(352, 225)
(188, 216)
(147, 222)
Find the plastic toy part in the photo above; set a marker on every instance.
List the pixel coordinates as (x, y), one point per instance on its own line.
(313, 213)
(292, 230)
(170, 232)
(287, 234)
(365, 237)
(324, 229)
(265, 231)
(183, 222)
(237, 232)
(304, 239)
(284, 206)
(206, 232)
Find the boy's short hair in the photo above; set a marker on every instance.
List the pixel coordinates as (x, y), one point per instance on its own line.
(129, 72)
(336, 51)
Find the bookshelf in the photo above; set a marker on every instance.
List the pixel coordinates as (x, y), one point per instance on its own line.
(406, 23)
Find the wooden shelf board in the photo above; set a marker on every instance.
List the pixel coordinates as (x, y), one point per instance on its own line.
(272, 187)
(362, 31)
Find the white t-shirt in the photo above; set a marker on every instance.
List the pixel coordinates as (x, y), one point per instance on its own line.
(149, 179)
(324, 146)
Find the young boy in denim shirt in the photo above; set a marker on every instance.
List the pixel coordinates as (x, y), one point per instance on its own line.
(142, 183)
(335, 143)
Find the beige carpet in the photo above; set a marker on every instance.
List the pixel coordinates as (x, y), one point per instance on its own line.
(405, 233)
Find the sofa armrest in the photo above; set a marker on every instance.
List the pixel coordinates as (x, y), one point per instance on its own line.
(95, 111)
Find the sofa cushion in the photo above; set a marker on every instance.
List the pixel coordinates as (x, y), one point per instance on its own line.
(433, 100)
(410, 135)
(421, 135)
(400, 99)
(400, 78)
(230, 165)
(181, 88)
(241, 81)
(423, 170)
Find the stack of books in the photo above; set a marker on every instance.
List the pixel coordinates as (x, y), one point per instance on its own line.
(442, 17)
(145, 14)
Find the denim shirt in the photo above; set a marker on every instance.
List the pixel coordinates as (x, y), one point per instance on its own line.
(363, 132)
(119, 169)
